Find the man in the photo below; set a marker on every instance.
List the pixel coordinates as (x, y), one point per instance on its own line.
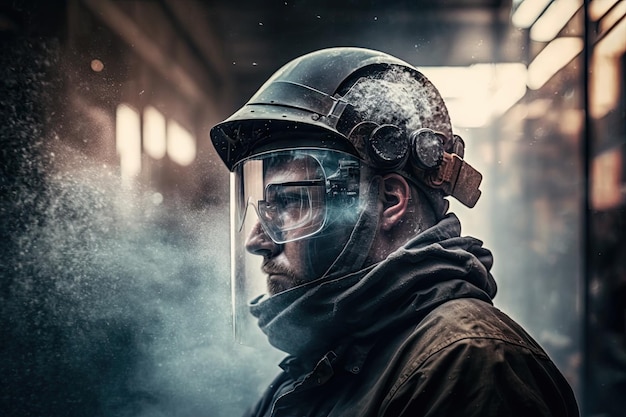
(342, 163)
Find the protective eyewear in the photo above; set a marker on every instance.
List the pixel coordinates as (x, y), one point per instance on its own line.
(292, 191)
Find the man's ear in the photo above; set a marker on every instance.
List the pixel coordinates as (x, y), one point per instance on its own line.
(395, 192)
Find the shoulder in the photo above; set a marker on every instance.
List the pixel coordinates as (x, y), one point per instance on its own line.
(467, 353)
(467, 324)
(469, 319)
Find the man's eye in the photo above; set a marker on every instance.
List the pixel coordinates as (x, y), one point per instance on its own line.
(288, 200)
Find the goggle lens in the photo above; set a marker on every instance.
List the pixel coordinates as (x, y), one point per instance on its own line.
(288, 190)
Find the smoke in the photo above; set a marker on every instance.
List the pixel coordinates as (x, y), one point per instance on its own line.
(111, 303)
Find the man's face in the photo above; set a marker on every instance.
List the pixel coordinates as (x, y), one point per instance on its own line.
(293, 263)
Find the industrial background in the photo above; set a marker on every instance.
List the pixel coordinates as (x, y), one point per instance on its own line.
(114, 218)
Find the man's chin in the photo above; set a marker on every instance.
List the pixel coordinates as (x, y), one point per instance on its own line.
(278, 283)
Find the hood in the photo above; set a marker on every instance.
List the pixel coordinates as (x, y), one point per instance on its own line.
(436, 266)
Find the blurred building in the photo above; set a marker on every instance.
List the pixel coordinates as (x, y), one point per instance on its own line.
(536, 88)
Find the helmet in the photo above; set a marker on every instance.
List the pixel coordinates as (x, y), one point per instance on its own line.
(363, 102)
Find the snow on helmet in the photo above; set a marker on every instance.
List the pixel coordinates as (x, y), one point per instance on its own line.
(364, 102)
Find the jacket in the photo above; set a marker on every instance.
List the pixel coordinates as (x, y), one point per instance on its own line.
(416, 335)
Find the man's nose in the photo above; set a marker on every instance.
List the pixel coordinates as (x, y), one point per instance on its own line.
(259, 243)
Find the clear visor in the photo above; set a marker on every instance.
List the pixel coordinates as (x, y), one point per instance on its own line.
(287, 195)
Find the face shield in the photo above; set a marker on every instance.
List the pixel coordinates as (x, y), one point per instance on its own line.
(295, 205)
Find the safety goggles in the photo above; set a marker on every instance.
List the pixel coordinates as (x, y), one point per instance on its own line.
(293, 191)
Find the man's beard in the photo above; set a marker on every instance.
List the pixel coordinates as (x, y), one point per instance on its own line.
(320, 253)
(274, 286)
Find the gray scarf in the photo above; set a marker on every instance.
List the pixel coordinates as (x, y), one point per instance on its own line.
(436, 266)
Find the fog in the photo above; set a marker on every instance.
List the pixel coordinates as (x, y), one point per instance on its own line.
(111, 304)
(114, 263)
